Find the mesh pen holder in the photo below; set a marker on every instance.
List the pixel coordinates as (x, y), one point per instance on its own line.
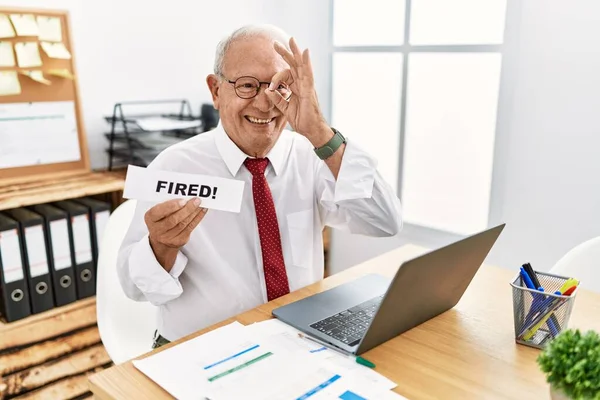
(540, 315)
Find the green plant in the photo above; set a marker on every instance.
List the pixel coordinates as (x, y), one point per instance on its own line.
(571, 363)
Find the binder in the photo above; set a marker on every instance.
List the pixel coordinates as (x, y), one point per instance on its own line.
(98, 213)
(81, 247)
(14, 295)
(35, 258)
(58, 248)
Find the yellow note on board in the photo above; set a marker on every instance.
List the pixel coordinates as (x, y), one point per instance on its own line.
(6, 29)
(56, 50)
(7, 56)
(37, 76)
(49, 28)
(28, 55)
(63, 73)
(24, 24)
(9, 83)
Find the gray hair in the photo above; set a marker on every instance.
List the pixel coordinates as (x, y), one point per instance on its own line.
(247, 31)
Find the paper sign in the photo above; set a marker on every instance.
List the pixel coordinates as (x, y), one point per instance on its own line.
(9, 83)
(28, 54)
(159, 186)
(56, 50)
(50, 29)
(37, 76)
(7, 57)
(24, 24)
(6, 29)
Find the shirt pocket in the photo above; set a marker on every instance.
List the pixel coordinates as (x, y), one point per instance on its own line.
(301, 231)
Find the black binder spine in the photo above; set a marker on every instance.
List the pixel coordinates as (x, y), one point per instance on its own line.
(14, 295)
(35, 259)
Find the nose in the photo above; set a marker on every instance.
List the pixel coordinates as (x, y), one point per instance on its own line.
(261, 101)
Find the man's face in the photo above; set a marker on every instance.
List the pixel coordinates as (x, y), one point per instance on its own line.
(253, 124)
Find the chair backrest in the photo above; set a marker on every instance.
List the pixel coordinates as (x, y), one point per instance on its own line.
(583, 263)
(126, 326)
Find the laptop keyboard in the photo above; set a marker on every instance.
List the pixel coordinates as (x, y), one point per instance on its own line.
(349, 326)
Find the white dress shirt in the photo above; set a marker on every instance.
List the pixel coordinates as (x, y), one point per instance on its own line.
(219, 272)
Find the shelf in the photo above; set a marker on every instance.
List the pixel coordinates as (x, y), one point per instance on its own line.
(35, 318)
(54, 187)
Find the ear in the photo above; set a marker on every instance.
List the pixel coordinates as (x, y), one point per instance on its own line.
(214, 86)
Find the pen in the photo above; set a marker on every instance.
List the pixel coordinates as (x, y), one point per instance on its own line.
(360, 360)
(532, 282)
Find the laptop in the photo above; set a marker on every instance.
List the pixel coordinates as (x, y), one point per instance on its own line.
(356, 316)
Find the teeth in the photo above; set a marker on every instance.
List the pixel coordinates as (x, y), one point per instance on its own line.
(259, 121)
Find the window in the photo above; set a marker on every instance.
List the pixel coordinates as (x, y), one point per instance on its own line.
(416, 84)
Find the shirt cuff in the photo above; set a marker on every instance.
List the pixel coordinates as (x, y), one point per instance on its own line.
(356, 176)
(149, 276)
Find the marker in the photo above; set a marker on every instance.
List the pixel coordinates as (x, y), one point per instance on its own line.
(358, 359)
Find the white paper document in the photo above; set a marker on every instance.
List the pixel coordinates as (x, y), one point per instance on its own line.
(165, 124)
(38, 133)
(56, 50)
(7, 56)
(61, 249)
(158, 186)
(25, 24)
(10, 251)
(28, 54)
(81, 239)
(9, 85)
(6, 28)
(261, 362)
(36, 250)
(50, 29)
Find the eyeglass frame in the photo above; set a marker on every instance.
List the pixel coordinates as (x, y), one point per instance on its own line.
(257, 90)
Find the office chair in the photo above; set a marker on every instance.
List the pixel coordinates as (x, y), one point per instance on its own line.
(209, 117)
(126, 326)
(583, 263)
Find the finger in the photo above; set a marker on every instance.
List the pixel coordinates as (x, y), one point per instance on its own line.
(178, 217)
(278, 100)
(192, 225)
(180, 227)
(284, 76)
(285, 53)
(162, 210)
(306, 71)
(296, 51)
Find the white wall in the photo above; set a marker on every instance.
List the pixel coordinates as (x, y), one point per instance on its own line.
(547, 165)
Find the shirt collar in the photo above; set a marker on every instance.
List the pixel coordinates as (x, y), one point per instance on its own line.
(234, 157)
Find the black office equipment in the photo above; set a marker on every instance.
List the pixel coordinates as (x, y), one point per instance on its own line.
(140, 130)
(81, 247)
(58, 247)
(14, 295)
(35, 258)
(98, 213)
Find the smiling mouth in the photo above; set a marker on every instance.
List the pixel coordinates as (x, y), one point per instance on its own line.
(259, 121)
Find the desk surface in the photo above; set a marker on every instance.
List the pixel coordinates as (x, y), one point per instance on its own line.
(467, 352)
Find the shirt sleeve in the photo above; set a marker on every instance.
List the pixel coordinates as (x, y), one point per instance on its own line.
(140, 274)
(359, 201)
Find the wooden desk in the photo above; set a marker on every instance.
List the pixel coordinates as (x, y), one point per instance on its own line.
(468, 352)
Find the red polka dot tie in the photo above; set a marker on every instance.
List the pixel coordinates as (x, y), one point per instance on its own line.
(268, 230)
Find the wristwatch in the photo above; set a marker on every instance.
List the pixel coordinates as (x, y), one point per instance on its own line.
(330, 147)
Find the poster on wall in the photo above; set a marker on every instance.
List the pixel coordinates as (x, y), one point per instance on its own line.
(38, 133)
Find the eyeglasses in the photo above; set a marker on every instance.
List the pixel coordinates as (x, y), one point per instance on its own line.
(247, 87)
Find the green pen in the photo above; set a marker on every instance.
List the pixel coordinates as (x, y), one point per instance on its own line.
(360, 360)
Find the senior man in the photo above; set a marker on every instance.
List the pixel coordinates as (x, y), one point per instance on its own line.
(202, 267)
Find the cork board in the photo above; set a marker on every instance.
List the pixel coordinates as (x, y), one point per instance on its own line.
(36, 94)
